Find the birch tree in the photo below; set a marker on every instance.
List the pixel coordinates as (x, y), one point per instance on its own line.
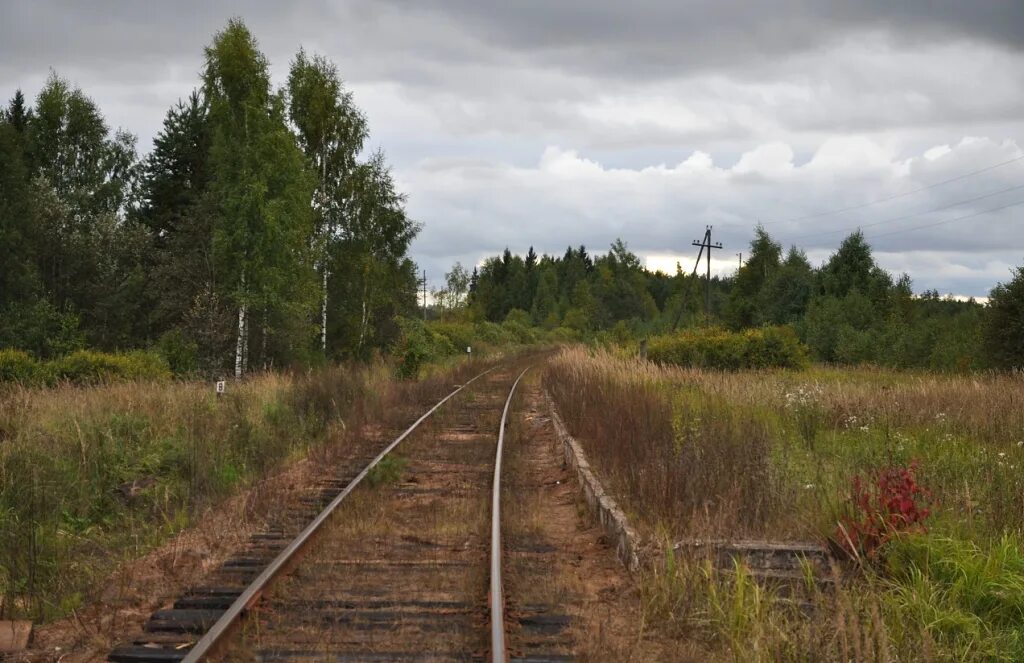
(331, 132)
(260, 186)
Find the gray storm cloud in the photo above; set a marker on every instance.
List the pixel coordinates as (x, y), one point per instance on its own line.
(545, 124)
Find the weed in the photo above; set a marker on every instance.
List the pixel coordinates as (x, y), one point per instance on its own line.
(892, 504)
(388, 470)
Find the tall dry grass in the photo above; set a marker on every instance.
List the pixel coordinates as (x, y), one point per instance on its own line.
(93, 476)
(771, 453)
(681, 464)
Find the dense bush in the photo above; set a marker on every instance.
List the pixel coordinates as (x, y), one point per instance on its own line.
(413, 348)
(717, 348)
(421, 342)
(82, 367)
(88, 367)
(459, 335)
(18, 366)
(519, 332)
(180, 352)
(492, 333)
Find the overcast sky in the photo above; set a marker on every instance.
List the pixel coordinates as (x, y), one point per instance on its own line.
(548, 123)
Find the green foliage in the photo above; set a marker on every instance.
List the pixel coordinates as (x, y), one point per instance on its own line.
(255, 200)
(563, 335)
(70, 147)
(762, 265)
(18, 366)
(1004, 326)
(518, 325)
(414, 348)
(460, 335)
(88, 367)
(518, 317)
(388, 470)
(720, 349)
(852, 267)
(180, 352)
(174, 211)
(82, 367)
(492, 333)
(37, 326)
(965, 598)
(849, 311)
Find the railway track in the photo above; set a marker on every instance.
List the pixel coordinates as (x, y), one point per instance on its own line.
(407, 570)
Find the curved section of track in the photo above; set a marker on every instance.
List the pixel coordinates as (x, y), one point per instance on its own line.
(209, 613)
(497, 597)
(254, 590)
(399, 570)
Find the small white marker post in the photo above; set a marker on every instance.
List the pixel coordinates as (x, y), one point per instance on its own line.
(220, 388)
(469, 350)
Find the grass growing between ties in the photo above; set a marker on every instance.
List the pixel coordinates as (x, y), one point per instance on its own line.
(388, 470)
(925, 472)
(94, 476)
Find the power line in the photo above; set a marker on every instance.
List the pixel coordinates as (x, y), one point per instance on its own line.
(899, 195)
(706, 244)
(908, 216)
(942, 223)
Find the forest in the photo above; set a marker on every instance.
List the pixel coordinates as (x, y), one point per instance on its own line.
(255, 234)
(258, 233)
(847, 311)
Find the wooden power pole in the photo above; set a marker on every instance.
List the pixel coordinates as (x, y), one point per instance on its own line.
(706, 244)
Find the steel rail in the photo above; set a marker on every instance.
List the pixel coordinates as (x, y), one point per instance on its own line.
(252, 593)
(498, 651)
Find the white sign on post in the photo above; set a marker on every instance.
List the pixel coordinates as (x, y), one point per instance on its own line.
(469, 350)
(221, 386)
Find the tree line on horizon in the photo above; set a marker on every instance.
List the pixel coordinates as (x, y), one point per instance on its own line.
(255, 233)
(848, 310)
(258, 233)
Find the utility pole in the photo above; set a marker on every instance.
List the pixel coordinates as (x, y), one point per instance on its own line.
(740, 256)
(706, 244)
(424, 282)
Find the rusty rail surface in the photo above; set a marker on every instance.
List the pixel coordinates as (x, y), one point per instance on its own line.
(227, 621)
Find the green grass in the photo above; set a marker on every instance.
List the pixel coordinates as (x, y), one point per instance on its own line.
(957, 597)
(388, 470)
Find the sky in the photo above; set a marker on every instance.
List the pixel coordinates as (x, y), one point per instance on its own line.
(545, 124)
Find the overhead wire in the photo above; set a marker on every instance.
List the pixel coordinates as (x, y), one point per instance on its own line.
(947, 221)
(907, 216)
(895, 196)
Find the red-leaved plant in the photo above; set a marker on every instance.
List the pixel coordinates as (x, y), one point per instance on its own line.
(891, 504)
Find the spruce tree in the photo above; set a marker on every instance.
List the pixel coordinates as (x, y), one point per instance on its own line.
(1004, 323)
